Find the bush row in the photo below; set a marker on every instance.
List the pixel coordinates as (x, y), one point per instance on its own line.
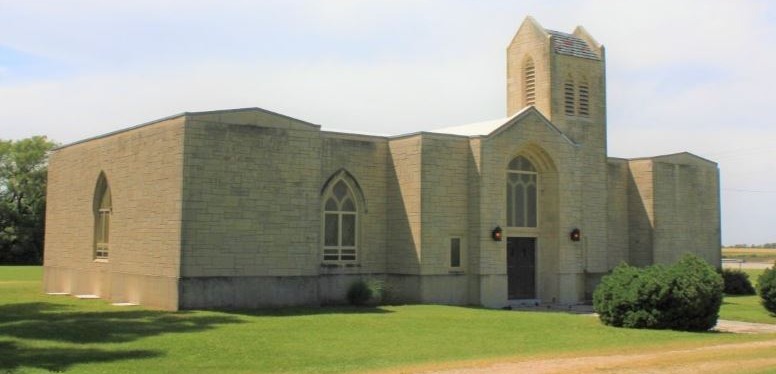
(737, 282)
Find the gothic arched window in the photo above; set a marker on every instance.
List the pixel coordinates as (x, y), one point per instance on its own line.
(521, 193)
(340, 222)
(102, 212)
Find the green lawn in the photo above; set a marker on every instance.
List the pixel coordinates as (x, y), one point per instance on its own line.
(41, 333)
(746, 308)
(754, 274)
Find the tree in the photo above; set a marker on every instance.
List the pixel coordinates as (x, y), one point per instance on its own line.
(23, 199)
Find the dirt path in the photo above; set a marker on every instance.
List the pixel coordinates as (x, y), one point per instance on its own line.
(724, 358)
(739, 327)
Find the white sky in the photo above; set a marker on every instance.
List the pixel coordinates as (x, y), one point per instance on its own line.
(682, 75)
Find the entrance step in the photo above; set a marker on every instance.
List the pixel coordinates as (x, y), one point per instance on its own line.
(87, 296)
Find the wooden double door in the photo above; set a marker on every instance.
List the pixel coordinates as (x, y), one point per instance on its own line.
(521, 268)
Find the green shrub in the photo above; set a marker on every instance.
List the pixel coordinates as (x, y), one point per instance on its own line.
(363, 292)
(737, 282)
(380, 291)
(359, 293)
(685, 296)
(766, 285)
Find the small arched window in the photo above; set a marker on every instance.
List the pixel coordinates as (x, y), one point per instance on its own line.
(102, 213)
(529, 82)
(340, 223)
(521, 193)
(568, 97)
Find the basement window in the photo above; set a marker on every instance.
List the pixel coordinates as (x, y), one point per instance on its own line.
(455, 253)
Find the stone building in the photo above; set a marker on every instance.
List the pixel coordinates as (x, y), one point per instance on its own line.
(249, 208)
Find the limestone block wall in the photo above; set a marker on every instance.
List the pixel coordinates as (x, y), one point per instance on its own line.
(589, 132)
(445, 213)
(366, 159)
(404, 205)
(559, 260)
(590, 129)
(686, 207)
(641, 215)
(143, 167)
(251, 197)
(474, 231)
(530, 41)
(594, 201)
(673, 209)
(444, 197)
(553, 71)
(618, 230)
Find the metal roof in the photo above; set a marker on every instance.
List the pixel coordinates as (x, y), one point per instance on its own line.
(568, 44)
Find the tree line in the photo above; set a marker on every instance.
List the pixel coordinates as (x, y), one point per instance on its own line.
(23, 171)
(766, 245)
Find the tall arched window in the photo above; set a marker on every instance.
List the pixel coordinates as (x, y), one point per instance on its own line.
(568, 97)
(529, 82)
(102, 212)
(340, 223)
(521, 193)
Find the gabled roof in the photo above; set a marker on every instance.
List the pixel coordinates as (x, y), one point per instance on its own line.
(578, 44)
(224, 112)
(679, 157)
(493, 127)
(227, 112)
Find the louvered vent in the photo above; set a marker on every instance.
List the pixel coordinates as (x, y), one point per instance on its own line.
(568, 98)
(529, 83)
(584, 100)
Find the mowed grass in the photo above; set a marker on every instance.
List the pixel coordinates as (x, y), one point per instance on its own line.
(40, 333)
(746, 308)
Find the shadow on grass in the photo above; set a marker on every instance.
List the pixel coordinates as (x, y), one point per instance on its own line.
(65, 324)
(14, 356)
(45, 321)
(306, 311)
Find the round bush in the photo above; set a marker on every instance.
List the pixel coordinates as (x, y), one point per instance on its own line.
(685, 296)
(359, 293)
(379, 290)
(766, 285)
(737, 282)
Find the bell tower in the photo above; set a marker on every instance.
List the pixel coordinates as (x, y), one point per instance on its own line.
(563, 76)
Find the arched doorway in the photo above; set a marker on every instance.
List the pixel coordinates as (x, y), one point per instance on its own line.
(531, 207)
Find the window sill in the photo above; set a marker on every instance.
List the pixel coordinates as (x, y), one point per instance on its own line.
(456, 271)
(101, 260)
(340, 265)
